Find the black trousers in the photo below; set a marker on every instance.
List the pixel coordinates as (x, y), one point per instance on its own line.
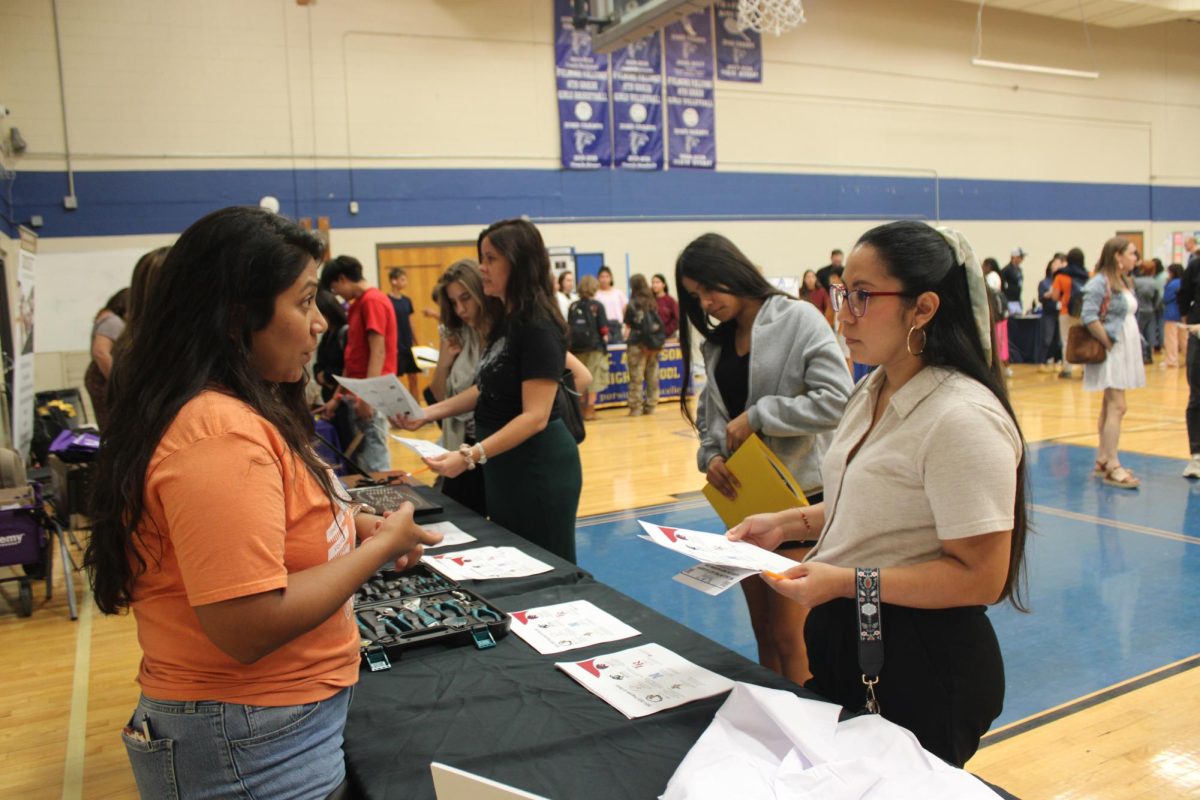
(1193, 405)
(942, 676)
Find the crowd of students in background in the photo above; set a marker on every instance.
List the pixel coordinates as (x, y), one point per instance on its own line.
(897, 346)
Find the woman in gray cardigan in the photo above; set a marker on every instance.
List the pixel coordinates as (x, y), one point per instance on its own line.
(1110, 314)
(775, 369)
(466, 317)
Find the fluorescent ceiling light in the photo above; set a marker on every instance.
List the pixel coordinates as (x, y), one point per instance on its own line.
(1067, 73)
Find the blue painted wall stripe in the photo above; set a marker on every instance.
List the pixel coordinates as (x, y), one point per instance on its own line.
(166, 201)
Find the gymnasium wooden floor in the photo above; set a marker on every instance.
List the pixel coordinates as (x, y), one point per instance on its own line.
(69, 686)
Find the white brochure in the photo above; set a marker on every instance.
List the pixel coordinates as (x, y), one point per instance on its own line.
(385, 393)
(714, 548)
(423, 448)
(452, 535)
(484, 563)
(642, 680)
(568, 626)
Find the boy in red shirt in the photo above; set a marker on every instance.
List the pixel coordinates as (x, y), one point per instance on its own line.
(370, 352)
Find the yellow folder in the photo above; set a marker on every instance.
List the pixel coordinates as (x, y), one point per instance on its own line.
(767, 485)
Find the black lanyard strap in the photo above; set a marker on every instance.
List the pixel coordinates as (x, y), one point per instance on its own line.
(870, 630)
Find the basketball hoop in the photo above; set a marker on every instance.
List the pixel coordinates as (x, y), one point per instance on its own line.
(770, 16)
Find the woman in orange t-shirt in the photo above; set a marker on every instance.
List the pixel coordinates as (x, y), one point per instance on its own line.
(216, 523)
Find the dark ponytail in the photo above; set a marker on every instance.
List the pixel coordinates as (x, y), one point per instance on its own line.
(921, 259)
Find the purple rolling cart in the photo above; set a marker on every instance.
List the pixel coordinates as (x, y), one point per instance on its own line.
(26, 532)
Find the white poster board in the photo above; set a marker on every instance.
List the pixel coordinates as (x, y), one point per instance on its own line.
(562, 259)
(72, 288)
(23, 343)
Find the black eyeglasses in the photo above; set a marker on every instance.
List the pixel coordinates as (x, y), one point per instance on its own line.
(857, 298)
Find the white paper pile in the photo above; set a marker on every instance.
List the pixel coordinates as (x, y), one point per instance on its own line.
(452, 535)
(567, 626)
(642, 680)
(483, 563)
(765, 744)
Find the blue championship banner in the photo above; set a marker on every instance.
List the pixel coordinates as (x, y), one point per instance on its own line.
(739, 52)
(691, 110)
(583, 97)
(637, 104)
(670, 375)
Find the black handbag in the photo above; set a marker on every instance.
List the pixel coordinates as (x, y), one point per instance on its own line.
(567, 404)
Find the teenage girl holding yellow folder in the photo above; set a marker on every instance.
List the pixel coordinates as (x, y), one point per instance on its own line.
(774, 369)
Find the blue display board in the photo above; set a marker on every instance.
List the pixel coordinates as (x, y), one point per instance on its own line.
(670, 375)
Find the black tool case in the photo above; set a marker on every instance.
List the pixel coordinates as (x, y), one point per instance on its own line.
(396, 611)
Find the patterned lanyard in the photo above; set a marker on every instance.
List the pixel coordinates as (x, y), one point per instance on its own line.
(870, 631)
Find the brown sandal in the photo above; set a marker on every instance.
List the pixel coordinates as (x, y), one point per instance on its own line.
(1101, 469)
(1121, 478)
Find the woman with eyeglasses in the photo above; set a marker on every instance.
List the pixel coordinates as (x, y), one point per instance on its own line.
(1110, 314)
(774, 369)
(907, 525)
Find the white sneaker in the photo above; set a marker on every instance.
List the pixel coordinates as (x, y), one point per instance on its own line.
(1192, 470)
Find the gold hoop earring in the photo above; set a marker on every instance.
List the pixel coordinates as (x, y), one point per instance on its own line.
(908, 340)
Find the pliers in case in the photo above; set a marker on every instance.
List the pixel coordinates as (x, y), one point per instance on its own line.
(414, 606)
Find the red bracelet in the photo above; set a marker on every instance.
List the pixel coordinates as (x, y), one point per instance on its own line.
(807, 526)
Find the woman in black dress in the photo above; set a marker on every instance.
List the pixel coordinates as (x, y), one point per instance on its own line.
(532, 475)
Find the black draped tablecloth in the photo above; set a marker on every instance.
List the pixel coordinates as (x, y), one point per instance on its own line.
(1024, 338)
(508, 714)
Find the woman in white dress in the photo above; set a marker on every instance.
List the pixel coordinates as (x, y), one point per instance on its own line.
(1110, 314)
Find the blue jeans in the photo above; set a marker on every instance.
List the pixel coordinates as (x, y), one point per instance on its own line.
(207, 749)
(372, 454)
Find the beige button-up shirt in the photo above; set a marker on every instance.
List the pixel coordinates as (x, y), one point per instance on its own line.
(940, 464)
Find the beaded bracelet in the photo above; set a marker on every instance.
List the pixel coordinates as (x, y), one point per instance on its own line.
(464, 450)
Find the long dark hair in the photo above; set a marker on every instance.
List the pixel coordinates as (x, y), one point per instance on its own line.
(805, 293)
(141, 283)
(717, 264)
(640, 293)
(117, 304)
(216, 288)
(916, 255)
(332, 310)
(530, 291)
